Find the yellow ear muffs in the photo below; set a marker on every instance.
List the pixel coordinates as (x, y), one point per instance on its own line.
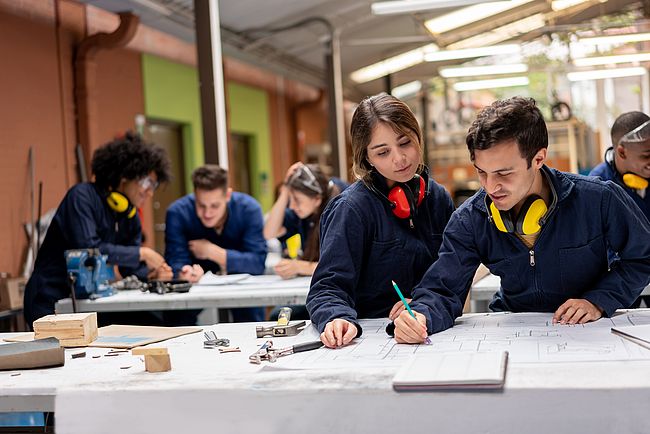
(531, 212)
(504, 224)
(120, 204)
(635, 181)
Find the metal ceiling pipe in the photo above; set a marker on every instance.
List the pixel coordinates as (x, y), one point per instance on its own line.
(85, 77)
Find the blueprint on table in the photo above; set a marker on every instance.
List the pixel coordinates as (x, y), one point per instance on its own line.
(528, 337)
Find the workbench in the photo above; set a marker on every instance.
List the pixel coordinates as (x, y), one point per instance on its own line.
(207, 391)
(253, 292)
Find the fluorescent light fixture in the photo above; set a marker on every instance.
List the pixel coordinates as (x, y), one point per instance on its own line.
(471, 14)
(409, 6)
(407, 89)
(611, 60)
(463, 86)
(392, 64)
(471, 71)
(439, 56)
(599, 74)
(558, 5)
(502, 33)
(616, 39)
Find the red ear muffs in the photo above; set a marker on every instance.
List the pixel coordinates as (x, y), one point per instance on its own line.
(397, 196)
(404, 199)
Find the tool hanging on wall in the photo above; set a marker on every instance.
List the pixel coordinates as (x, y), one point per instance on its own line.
(270, 354)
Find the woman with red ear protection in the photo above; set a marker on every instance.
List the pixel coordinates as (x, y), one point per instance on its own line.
(386, 226)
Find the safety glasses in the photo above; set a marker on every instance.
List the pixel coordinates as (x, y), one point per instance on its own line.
(306, 177)
(637, 135)
(148, 183)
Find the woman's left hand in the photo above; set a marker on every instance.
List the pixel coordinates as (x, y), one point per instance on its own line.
(287, 268)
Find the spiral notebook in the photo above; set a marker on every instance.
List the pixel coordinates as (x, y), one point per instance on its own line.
(453, 371)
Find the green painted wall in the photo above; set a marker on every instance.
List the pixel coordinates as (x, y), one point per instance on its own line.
(171, 92)
(249, 115)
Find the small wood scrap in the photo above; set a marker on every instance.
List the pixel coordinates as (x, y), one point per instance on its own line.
(144, 351)
(155, 359)
(15, 374)
(79, 355)
(124, 367)
(118, 351)
(96, 357)
(230, 350)
(111, 354)
(71, 329)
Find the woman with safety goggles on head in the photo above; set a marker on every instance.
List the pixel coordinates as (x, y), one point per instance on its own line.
(386, 226)
(303, 196)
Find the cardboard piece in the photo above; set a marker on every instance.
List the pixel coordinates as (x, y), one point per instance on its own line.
(72, 329)
(125, 336)
(41, 353)
(12, 291)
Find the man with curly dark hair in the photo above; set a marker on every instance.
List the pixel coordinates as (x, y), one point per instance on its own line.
(102, 214)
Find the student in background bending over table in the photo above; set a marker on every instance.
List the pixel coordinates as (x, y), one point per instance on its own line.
(386, 226)
(305, 193)
(545, 233)
(215, 230)
(303, 197)
(101, 214)
(627, 163)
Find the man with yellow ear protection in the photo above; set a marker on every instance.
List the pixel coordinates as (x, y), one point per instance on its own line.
(545, 233)
(101, 214)
(627, 163)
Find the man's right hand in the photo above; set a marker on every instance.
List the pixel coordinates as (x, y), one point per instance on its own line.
(191, 273)
(152, 258)
(409, 330)
(338, 333)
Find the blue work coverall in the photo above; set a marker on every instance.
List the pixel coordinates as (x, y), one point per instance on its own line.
(364, 246)
(242, 238)
(569, 258)
(83, 220)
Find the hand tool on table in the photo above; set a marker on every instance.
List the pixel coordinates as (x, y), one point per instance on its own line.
(212, 341)
(282, 327)
(270, 354)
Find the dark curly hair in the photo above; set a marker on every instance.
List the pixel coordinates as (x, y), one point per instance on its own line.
(515, 118)
(128, 158)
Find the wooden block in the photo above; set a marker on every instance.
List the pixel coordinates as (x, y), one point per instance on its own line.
(71, 329)
(157, 363)
(143, 351)
(12, 292)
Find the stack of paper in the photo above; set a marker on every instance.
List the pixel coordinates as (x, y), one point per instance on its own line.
(638, 334)
(452, 371)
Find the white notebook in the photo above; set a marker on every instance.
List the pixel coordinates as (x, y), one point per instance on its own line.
(452, 371)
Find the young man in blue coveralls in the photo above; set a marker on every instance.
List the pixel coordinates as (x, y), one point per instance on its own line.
(627, 163)
(215, 230)
(545, 233)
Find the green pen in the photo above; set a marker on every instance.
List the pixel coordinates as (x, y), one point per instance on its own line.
(406, 305)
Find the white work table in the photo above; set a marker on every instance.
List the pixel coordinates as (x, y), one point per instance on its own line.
(483, 290)
(252, 292)
(211, 392)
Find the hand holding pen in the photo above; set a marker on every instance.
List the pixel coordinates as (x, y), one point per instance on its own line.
(410, 327)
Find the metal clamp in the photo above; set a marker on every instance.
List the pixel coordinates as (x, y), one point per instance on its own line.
(213, 341)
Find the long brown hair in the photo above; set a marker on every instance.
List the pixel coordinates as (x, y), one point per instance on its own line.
(371, 111)
(312, 182)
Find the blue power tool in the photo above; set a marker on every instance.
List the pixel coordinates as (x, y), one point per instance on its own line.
(89, 273)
